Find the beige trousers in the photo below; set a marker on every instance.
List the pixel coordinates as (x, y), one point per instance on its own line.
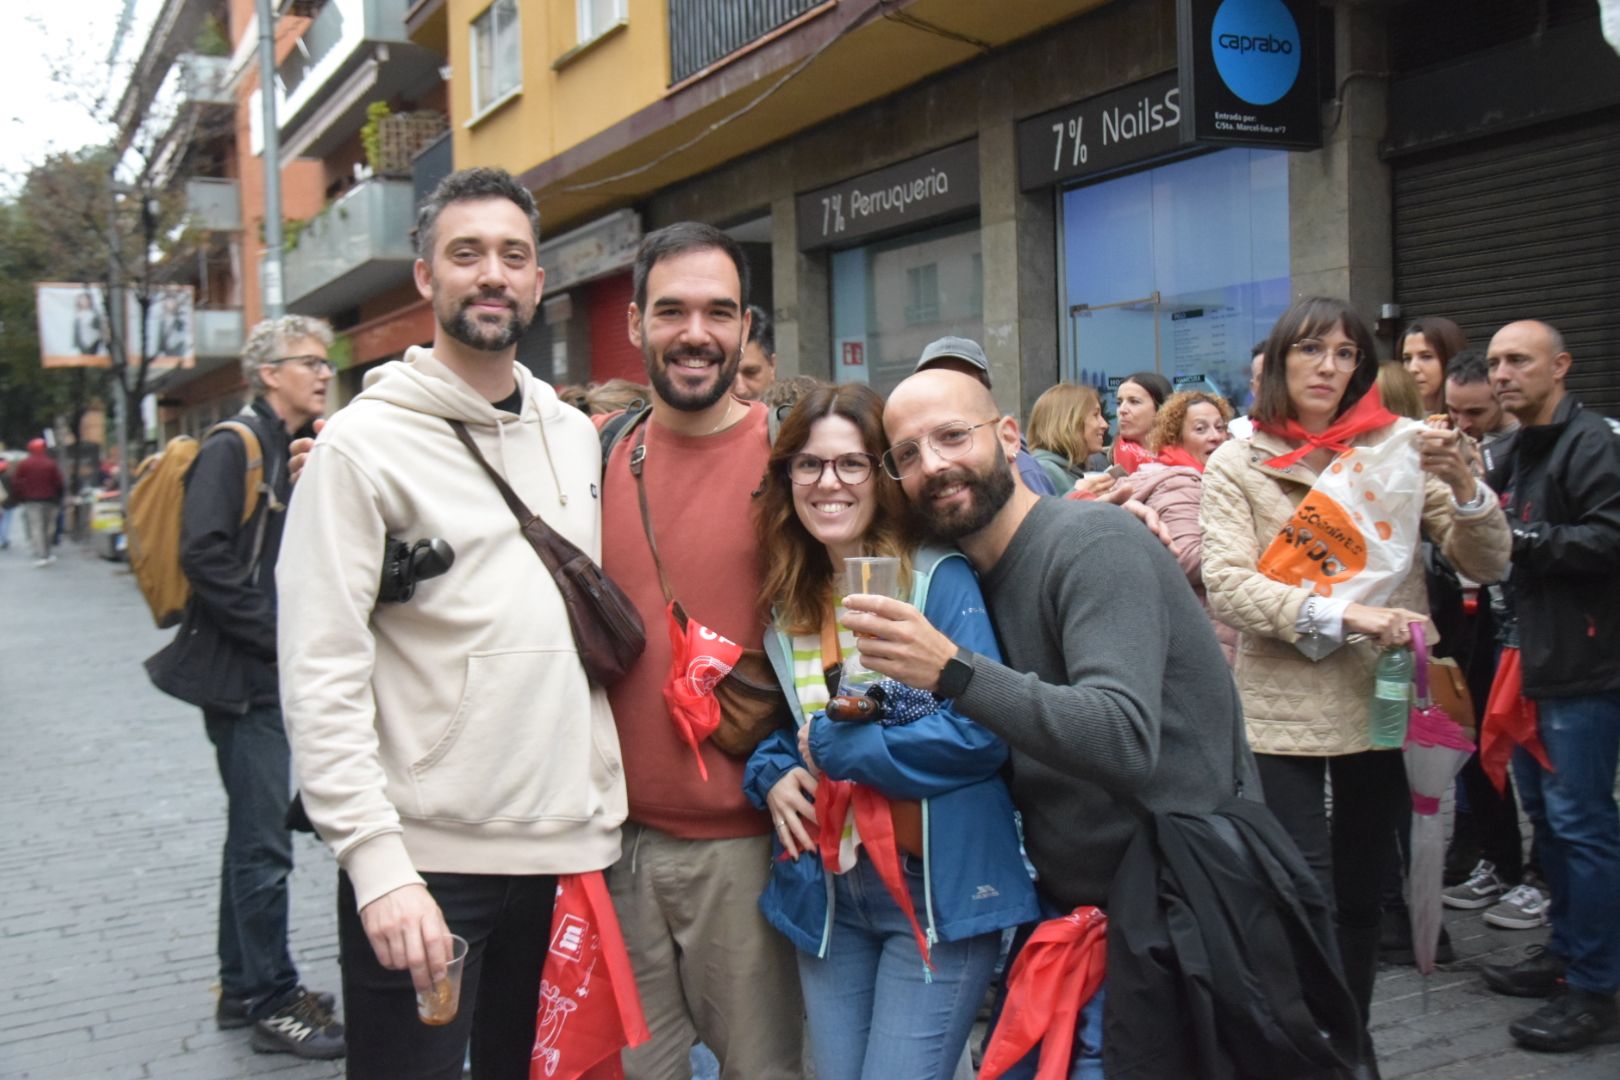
(708, 965)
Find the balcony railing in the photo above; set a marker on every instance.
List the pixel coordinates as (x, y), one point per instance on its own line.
(703, 31)
(219, 332)
(432, 163)
(353, 249)
(213, 204)
(204, 80)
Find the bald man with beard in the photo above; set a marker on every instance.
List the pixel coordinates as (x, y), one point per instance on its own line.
(1114, 694)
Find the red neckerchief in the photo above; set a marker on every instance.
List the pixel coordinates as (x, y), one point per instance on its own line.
(1056, 973)
(1366, 415)
(1175, 455)
(1510, 719)
(1130, 455)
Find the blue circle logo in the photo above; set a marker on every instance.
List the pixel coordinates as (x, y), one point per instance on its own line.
(1257, 46)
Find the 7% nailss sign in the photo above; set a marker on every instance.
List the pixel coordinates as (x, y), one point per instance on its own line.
(1075, 129)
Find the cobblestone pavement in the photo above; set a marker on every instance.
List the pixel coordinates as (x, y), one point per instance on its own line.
(109, 862)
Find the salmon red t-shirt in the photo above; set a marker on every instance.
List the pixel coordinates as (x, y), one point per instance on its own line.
(700, 493)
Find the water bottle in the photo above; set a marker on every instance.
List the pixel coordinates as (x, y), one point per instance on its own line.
(1391, 705)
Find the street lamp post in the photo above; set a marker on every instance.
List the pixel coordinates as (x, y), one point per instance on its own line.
(273, 305)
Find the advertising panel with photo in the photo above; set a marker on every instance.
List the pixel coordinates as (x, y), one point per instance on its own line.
(72, 325)
(170, 324)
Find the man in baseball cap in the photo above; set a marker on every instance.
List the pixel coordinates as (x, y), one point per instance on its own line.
(966, 356)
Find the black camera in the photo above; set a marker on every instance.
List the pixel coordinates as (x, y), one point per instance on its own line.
(404, 564)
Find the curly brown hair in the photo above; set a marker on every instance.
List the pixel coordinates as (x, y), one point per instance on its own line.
(1167, 424)
(798, 576)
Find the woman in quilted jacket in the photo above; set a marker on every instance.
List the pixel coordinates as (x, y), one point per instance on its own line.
(1305, 661)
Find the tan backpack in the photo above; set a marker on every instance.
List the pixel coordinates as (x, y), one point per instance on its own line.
(153, 520)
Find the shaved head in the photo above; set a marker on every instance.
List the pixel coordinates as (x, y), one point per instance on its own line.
(938, 388)
(960, 476)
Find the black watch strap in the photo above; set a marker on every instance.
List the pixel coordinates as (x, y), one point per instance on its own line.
(955, 675)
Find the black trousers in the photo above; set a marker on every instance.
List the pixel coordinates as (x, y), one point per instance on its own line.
(507, 924)
(1349, 852)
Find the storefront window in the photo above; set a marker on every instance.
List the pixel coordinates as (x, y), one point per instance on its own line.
(1178, 269)
(890, 299)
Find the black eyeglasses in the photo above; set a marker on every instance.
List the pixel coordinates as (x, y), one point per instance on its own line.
(315, 365)
(1345, 357)
(949, 441)
(807, 469)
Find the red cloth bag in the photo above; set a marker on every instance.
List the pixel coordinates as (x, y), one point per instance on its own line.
(1511, 719)
(1056, 973)
(589, 1008)
(699, 659)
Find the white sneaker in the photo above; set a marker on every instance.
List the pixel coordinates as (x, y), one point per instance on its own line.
(1523, 908)
(1480, 890)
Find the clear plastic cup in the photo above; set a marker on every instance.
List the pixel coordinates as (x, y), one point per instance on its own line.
(876, 576)
(439, 1004)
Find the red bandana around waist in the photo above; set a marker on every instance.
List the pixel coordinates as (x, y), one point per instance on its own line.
(1366, 415)
(1056, 973)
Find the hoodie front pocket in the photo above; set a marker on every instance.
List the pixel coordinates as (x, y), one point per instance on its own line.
(517, 748)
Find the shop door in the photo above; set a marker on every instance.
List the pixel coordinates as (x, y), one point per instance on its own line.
(1523, 226)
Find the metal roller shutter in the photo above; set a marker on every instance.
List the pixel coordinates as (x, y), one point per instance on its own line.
(1520, 226)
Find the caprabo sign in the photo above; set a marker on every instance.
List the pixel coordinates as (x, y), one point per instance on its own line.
(1248, 71)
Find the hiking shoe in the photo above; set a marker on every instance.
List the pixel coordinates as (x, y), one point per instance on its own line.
(1523, 908)
(1574, 1019)
(1480, 890)
(232, 1012)
(1539, 974)
(302, 1027)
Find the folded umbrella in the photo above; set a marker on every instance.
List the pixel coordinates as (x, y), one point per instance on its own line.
(1435, 751)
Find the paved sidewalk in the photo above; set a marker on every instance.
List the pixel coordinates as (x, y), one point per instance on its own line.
(109, 858)
(109, 862)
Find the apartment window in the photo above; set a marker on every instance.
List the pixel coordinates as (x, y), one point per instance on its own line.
(922, 294)
(497, 59)
(597, 17)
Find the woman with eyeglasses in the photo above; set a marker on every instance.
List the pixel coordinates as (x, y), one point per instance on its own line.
(1190, 427)
(897, 859)
(1305, 661)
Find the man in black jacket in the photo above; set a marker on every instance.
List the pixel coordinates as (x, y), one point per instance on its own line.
(224, 660)
(1562, 496)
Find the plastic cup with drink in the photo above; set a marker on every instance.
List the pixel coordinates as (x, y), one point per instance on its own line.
(439, 1003)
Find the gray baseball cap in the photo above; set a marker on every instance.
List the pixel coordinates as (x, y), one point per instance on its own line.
(960, 348)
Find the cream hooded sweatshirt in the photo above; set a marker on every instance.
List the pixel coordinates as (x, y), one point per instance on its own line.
(455, 732)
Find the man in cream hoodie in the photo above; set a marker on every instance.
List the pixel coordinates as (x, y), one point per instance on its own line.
(449, 749)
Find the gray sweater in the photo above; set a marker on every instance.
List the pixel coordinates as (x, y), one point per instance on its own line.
(1114, 690)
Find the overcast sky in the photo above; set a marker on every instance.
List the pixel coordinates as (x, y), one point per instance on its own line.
(37, 115)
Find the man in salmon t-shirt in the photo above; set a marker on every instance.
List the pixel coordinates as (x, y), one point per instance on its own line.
(696, 855)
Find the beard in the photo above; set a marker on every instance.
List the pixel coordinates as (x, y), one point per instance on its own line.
(988, 491)
(671, 392)
(475, 333)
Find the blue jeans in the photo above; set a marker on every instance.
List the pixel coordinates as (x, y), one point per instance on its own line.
(1578, 832)
(872, 1012)
(254, 766)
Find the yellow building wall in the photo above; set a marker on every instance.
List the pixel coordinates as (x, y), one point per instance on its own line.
(597, 86)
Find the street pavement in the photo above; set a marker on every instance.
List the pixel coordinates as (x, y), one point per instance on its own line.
(109, 864)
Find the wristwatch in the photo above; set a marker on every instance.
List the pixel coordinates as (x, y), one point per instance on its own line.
(954, 676)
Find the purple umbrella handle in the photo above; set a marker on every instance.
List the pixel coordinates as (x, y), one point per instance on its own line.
(1420, 654)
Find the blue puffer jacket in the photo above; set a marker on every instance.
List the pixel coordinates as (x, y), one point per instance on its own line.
(974, 876)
